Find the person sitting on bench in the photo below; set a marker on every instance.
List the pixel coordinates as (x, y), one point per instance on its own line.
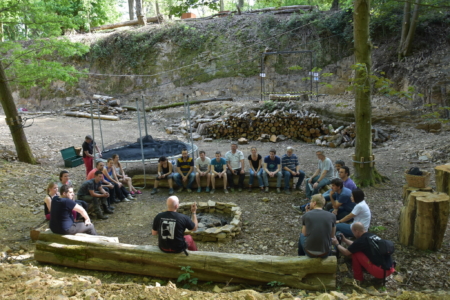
(218, 169)
(362, 257)
(170, 225)
(203, 168)
(165, 171)
(360, 214)
(321, 176)
(61, 217)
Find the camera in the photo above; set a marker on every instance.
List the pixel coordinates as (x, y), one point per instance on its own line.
(339, 236)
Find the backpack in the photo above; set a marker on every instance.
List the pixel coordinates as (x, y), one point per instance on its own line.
(415, 171)
(383, 249)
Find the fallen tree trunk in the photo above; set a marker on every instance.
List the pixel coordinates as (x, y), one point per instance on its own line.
(190, 102)
(96, 253)
(86, 115)
(128, 23)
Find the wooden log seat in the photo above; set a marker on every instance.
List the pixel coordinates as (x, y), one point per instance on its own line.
(107, 254)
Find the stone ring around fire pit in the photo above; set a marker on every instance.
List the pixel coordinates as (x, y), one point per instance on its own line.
(215, 234)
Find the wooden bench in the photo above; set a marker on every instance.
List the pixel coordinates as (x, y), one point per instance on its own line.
(107, 254)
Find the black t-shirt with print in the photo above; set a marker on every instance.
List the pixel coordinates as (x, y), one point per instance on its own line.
(171, 226)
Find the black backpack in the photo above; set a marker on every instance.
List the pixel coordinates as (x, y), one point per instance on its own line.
(383, 250)
(415, 171)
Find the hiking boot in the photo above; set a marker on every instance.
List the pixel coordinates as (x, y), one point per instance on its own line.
(278, 190)
(212, 191)
(207, 190)
(267, 189)
(287, 191)
(116, 201)
(107, 210)
(298, 188)
(170, 191)
(111, 207)
(225, 191)
(180, 190)
(199, 190)
(154, 191)
(101, 216)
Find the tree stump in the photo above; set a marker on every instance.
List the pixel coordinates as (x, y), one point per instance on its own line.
(407, 190)
(431, 221)
(423, 220)
(442, 177)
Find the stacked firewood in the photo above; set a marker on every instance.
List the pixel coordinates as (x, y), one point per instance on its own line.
(104, 105)
(346, 136)
(259, 125)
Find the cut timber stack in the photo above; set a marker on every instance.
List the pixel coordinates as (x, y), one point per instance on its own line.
(107, 254)
(252, 125)
(423, 220)
(104, 105)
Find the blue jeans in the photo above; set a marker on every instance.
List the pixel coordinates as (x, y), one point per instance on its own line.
(258, 175)
(266, 178)
(178, 181)
(322, 183)
(301, 248)
(287, 177)
(345, 228)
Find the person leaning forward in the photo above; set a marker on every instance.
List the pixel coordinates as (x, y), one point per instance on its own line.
(91, 191)
(170, 225)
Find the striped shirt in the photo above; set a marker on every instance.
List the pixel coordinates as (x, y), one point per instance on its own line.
(185, 166)
(289, 161)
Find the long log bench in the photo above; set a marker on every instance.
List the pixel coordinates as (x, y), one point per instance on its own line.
(107, 254)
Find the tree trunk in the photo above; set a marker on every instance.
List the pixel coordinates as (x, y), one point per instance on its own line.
(157, 8)
(442, 177)
(365, 173)
(241, 3)
(140, 13)
(405, 27)
(222, 6)
(131, 9)
(431, 221)
(98, 253)
(335, 5)
(406, 45)
(14, 121)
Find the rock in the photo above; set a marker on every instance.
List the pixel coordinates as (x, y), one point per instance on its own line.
(423, 158)
(399, 278)
(39, 190)
(281, 138)
(208, 140)
(169, 130)
(196, 137)
(325, 296)
(286, 296)
(242, 141)
(7, 249)
(338, 295)
(216, 289)
(265, 199)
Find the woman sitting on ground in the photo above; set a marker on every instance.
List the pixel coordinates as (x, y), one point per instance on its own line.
(109, 173)
(52, 191)
(123, 178)
(64, 179)
(165, 171)
(62, 220)
(360, 213)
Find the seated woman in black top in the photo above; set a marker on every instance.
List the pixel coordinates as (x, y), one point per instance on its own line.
(61, 220)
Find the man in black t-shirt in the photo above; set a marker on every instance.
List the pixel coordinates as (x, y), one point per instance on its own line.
(361, 255)
(169, 226)
(88, 153)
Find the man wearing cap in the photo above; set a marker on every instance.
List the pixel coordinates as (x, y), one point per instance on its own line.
(88, 153)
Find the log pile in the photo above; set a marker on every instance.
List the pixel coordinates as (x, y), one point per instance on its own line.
(105, 105)
(345, 137)
(280, 125)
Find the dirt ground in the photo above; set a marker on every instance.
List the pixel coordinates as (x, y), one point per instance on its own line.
(269, 227)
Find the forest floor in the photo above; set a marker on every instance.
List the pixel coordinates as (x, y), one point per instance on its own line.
(269, 227)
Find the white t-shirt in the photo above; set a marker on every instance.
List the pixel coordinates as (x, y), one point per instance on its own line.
(234, 159)
(201, 165)
(327, 164)
(362, 214)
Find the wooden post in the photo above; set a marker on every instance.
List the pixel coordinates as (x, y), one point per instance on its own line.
(431, 221)
(442, 177)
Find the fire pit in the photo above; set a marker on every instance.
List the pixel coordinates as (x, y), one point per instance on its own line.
(220, 221)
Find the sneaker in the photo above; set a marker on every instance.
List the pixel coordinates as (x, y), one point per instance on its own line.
(225, 191)
(138, 192)
(170, 191)
(297, 208)
(261, 190)
(298, 188)
(232, 190)
(132, 193)
(212, 191)
(180, 190)
(239, 190)
(189, 190)
(125, 200)
(278, 190)
(199, 190)
(154, 191)
(207, 190)
(287, 191)
(131, 197)
(267, 189)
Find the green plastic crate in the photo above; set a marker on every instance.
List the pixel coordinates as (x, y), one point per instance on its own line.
(71, 159)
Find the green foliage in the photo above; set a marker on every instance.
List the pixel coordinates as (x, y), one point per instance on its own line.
(269, 105)
(440, 115)
(183, 6)
(275, 283)
(377, 229)
(186, 277)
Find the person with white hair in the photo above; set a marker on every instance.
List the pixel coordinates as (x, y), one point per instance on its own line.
(291, 168)
(170, 225)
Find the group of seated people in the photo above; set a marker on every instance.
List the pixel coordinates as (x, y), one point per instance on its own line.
(184, 170)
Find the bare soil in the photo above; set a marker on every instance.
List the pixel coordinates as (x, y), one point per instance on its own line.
(269, 227)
